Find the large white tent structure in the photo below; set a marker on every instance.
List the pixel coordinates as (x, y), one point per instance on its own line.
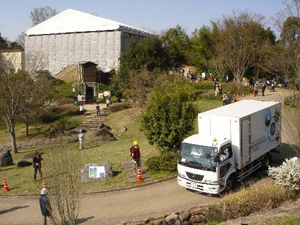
(72, 37)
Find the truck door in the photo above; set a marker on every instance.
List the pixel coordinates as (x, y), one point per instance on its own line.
(246, 140)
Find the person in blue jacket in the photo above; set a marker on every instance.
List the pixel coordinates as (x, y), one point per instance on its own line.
(45, 205)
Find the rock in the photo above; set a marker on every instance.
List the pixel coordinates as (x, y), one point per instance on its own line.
(23, 163)
(102, 171)
(102, 126)
(30, 156)
(184, 216)
(197, 219)
(122, 130)
(106, 135)
(159, 222)
(172, 219)
(6, 159)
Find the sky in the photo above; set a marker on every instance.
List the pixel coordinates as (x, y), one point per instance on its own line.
(153, 15)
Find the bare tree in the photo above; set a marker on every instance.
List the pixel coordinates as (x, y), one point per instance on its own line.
(41, 14)
(237, 41)
(21, 40)
(12, 92)
(62, 170)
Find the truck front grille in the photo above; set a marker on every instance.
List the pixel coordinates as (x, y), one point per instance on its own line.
(194, 176)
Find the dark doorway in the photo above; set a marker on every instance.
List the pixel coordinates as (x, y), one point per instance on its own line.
(89, 94)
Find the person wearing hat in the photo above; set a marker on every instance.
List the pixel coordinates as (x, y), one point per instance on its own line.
(80, 139)
(45, 205)
(37, 164)
(135, 153)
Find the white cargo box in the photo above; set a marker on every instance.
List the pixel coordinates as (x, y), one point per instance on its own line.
(254, 127)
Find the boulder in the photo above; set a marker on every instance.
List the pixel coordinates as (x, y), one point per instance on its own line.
(102, 126)
(30, 156)
(23, 163)
(73, 140)
(105, 135)
(96, 172)
(172, 219)
(122, 130)
(6, 159)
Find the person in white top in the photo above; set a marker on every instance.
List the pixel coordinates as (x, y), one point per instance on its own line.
(81, 109)
(80, 139)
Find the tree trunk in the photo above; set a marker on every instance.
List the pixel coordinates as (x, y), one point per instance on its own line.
(13, 139)
(27, 129)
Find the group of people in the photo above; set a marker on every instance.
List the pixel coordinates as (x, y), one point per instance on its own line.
(62, 127)
(228, 98)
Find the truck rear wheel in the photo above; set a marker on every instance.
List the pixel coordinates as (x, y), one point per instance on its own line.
(229, 184)
(266, 161)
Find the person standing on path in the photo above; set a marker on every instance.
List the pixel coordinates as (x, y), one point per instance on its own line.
(255, 90)
(81, 109)
(263, 88)
(37, 165)
(45, 205)
(80, 139)
(135, 153)
(52, 134)
(62, 127)
(98, 109)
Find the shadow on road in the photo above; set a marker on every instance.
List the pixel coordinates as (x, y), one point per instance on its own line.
(82, 220)
(13, 209)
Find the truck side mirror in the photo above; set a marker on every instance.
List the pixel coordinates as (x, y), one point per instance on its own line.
(217, 158)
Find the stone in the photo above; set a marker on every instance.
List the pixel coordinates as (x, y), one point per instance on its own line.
(86, 175)
(106, 135)
(73, 140)
(30, 156)
(23, 163)
(197, 219)
(6, 159)
(172, 219)
(122, 130)
(159, 222)
(102, 126)
(184, 216)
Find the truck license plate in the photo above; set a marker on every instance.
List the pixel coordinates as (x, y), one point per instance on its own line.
(194, 185)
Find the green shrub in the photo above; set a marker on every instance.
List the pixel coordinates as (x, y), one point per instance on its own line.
(65, 89)
(211, 97)
(236, 88)
(204, 85)
(165, 162)
(170, 114)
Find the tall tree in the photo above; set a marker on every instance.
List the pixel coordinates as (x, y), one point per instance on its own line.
(38, 15)
(238, 41)
(12, 91)
(177, 44)
(3, 43)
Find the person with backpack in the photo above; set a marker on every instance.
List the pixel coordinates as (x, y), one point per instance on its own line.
(135, 153)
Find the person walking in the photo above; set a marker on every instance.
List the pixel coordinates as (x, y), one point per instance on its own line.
(81, 109)
(98, 109)
(216, 90)
(80, 139)
(255, 90)
(263, 88)
(62, 127)
(37, 165)
(45, 205)
(52, 134)
(135, 153)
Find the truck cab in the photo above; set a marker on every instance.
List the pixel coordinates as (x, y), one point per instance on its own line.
(205, 164)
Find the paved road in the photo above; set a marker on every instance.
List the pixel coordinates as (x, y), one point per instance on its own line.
(116, 207)
(111, 208)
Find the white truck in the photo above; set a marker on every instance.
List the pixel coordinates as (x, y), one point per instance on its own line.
(233, 141)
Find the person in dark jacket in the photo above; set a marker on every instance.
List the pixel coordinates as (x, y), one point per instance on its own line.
(37, 164)
(45, 205)
(135, 153)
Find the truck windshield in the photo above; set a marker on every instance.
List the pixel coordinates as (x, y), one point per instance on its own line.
(197, 156)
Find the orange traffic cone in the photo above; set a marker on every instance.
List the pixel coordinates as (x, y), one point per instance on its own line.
(5, 187)
(138, 175)
(243, 95)
(237, 96)
(44, 184)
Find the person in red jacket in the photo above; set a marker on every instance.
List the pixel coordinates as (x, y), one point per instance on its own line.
(135, 153)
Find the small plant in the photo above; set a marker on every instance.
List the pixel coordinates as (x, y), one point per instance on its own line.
(288, 174)
(165, 162)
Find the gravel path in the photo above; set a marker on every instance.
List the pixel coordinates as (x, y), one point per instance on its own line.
(121, 206)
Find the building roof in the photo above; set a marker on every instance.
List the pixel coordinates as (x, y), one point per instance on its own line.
(73, 21)
(240, 109)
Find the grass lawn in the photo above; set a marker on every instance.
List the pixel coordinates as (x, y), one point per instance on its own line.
(20, 180)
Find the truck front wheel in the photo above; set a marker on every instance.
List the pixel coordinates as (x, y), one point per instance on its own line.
(229, 184)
